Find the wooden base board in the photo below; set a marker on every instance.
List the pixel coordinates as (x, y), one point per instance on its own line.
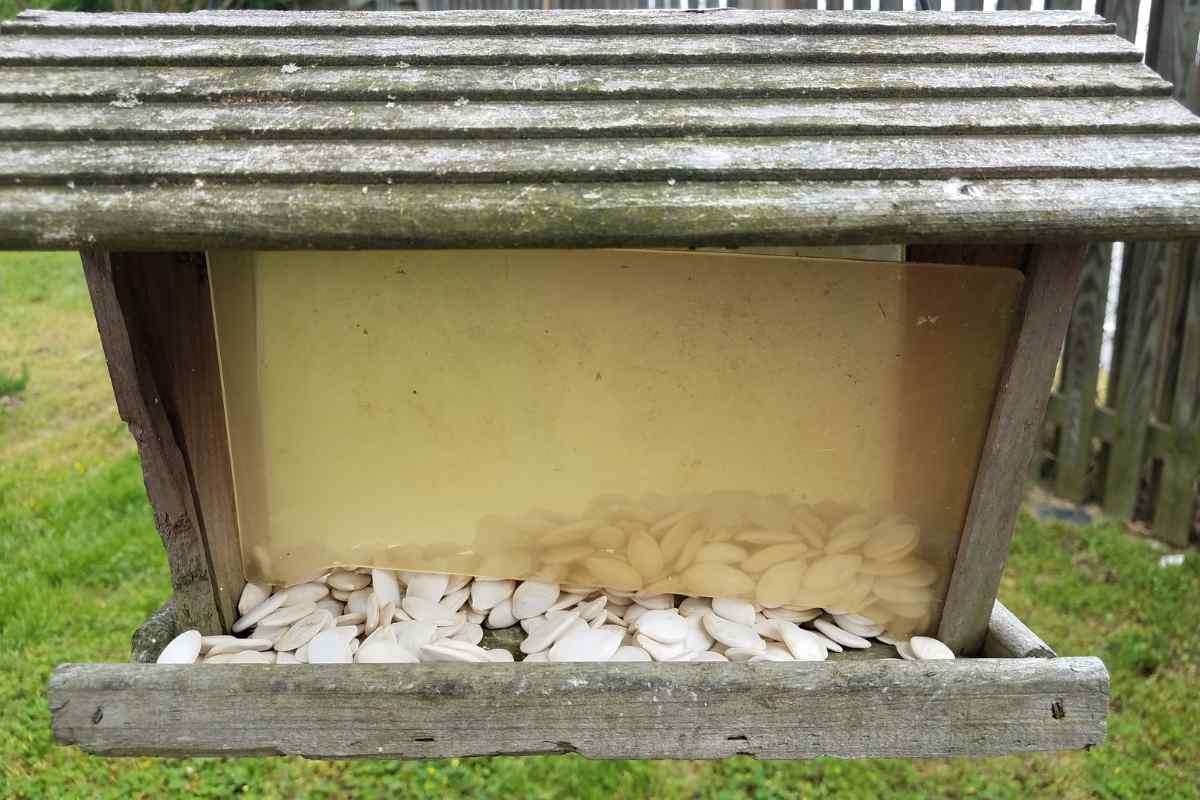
(864, 706)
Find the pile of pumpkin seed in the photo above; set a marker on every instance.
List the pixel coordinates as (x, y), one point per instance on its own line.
(380, 616)
(725, 576)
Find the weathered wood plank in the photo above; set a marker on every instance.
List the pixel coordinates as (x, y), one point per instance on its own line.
(1174, 513)
(1080, 373)
(170, 296)
(526, 21)
(699, 158)
(1008, 637)
(164, 465)
(760, 81)
(720, 214)
(505, 50)
(967, 707)
(1160, 439)
(1140, 334)
(1051, 280)
(538, 120)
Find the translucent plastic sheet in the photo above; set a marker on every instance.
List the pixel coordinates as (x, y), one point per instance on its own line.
(796, 431)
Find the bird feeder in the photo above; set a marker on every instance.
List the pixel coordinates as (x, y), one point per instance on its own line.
(372, 286)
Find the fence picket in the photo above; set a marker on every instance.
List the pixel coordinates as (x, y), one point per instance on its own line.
(1080, 373)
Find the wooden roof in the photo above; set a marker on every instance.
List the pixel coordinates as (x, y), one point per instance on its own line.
(585, 128)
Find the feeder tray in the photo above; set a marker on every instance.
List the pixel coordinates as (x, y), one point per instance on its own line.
(150, 141)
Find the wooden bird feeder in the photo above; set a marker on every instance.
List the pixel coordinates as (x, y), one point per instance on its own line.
(559, 194)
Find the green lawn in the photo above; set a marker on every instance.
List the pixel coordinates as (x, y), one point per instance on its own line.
(81, 566)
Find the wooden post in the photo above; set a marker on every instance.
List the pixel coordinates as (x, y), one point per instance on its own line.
(1051, 280)
(155, 319)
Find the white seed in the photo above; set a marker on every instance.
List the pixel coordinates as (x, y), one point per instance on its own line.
(663, 625)
(792, 614)
(500, 656)
(773, 652)
(586, 645)
(830, 644)
(255, 615)
(424, 609)
(532, 598)
(476, 617)
(357, 618)
(803, 645)
(384, 651)
(566, 600)
(660, 651)
(289, 614)
(413, 635)
(344, 581)
(548, 632)
(271, 633)
(243, 657)
(926, 648)
(779, 583)
(357, 604)
(501, 615)
(739, 611)
(334, 607)
(858, 625)
(183, 649)
(630, 653)
(633, 612)
(286, 658)
(386, 586)
(329, 647)
(535, 658)
(456, 599)
(710, 655)
(209, 642)
(843, 637)
(831, 572)
(905, 651)
(695, 606)
(698, 638)
(742, 653)
(425, 585)
(731, 634)
(470, 633)
(252, 595)
(443, 652)
(307, 592)
(240, 645)
(486, 595)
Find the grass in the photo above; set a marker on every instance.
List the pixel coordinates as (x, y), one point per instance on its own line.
(81, 567)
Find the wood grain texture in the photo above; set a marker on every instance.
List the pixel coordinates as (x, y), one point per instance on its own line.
(170, 295)
(967, 707)
(815, 158)
(757, 81)
(722, 214)
(1080, 375)
(573, 119)
(1008, 637)
(140, 403)
(279, 50)
(527, 21)
(1051, 282)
